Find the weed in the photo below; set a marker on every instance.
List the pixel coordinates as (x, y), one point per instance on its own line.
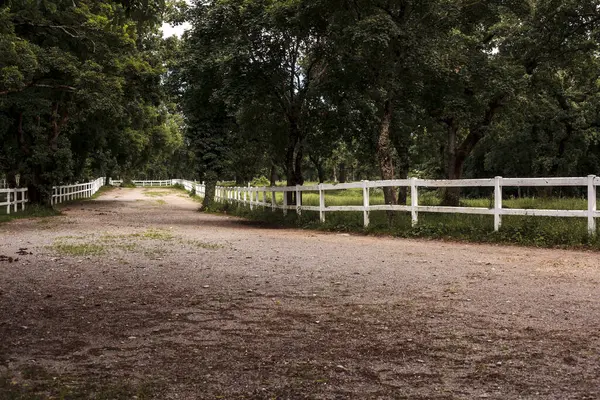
(153, 234)
(205, 245)
(156, 234)
(155, 193)
(78, 249)
(161, 202)
(127, 247)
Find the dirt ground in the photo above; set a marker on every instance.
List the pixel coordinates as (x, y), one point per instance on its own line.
(136, 295)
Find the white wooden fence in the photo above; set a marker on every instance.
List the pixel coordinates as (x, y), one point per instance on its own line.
(61, 194)
(12, 198)
(250, 196)
(188, 185)
(257, 196)
(166, 182)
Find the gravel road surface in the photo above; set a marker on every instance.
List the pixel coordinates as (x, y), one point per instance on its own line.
(138, 295)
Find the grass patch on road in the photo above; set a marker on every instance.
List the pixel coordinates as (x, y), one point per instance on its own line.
(204, 245)
(157, 234)
(153, 234)
(156, 193)
(78, 249)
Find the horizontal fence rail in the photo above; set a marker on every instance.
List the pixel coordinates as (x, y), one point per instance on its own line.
(86, 190)
(257, 196)
(199, 188)
(12, 198)
(154, 183)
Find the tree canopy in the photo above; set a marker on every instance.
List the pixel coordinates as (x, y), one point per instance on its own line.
(81, 92)
(300, 90)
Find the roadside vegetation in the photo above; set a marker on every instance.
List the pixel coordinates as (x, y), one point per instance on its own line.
(522, 230)
(31, 211)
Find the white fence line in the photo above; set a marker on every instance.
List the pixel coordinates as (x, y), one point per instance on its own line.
(12, 199)
(199, 188)
(61, 194)
(251, 196)
(154, 183)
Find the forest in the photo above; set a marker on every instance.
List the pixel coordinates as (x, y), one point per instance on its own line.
(298, 90)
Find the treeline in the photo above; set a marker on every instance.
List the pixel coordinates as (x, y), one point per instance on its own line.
(298, 89)
(387, 88)
(81, 93)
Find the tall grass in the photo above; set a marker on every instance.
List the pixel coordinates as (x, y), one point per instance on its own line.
(354, 197)
(31, 211)
(525, 230)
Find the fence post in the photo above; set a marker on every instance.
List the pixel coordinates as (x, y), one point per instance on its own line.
(8, 202)
(321, 203)
(273, 200)
(497, 203)
(16, 200)
(285, 204)
(591, 184)
(264, 197)
(23, 199)
(414, 201)
(298, 201)
(366, 201)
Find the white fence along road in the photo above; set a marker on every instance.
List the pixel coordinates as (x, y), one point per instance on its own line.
(250, 196)
(12, 198)
(61, 194)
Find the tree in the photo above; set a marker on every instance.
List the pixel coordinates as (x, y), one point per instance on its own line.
(78, 79)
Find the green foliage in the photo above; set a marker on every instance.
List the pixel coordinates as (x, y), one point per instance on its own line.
(260, 181)
(81, 92)
(351, 90)
(529, 231)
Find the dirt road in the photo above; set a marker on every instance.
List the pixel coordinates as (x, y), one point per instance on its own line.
(137, 295)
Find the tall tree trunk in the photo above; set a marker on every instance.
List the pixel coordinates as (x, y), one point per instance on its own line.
(38, 191)
(11, 179)
(318, 162)
(343, 173)
(293, 160)
(384, 153)
(453, 167)
(456, 155)
(209, 194)
(273, 175)
(401, 141)
(321, 173)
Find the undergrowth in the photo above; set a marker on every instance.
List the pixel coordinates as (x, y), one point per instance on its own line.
(31, 211)
(523, 230)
